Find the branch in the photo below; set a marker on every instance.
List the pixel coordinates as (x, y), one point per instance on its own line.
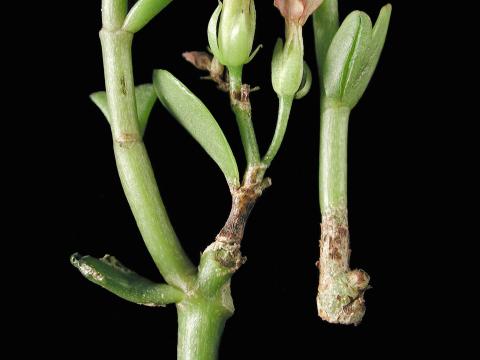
(110, 274)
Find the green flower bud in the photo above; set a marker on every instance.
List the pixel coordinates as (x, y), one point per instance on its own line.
(287, 63)
(232, 45)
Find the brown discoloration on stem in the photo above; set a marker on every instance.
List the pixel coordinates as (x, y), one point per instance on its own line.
(123, 85)
(127, 140)
(340, 291)
(241, 98)
(243, 199)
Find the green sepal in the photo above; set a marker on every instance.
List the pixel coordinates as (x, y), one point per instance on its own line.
(306, 84)
(212, 32)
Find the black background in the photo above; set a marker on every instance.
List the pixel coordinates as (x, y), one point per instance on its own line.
(274, 292)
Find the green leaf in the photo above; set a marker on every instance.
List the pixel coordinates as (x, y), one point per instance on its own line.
(145, 98)
(353, 55)
(113, 276)
(142, 12)
(194, 116)
(99, 98)
(345, 54)
(325, 25)
(364, 75)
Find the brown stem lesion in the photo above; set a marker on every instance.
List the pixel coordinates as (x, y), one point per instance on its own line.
(244, 197)
(340, 291)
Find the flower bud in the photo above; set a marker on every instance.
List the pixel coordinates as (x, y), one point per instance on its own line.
(287, 63)
(297, 11)
(232, 45)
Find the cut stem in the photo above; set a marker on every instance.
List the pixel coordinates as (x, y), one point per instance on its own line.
(340, 290)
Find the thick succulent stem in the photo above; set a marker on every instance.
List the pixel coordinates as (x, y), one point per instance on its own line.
(340, 290)
(133, 163)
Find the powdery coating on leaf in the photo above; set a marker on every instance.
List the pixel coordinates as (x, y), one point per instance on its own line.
(88, 271)
(297, 11)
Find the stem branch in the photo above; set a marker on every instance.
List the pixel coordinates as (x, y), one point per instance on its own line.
(284, 107)
(132, 160)
(240, 103)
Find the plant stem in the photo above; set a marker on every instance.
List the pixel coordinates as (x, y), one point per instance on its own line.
(200, 328)
(240, 103)
(284, 107)
(340, 290)
(333, 158)
(132, 160)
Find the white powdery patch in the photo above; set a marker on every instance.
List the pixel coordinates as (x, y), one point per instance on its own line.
(88, 271)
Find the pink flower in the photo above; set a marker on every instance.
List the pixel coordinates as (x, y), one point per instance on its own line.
(297, 11)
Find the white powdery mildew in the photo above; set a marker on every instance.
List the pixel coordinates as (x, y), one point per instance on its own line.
(88, 271)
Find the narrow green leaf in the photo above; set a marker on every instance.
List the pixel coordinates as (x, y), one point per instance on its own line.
(346, 53)
(365, 73)
(353, 56)
(110, 274)
(194, 116)
(99, 98)
(145, 98)
(325, 25)
(142, 12)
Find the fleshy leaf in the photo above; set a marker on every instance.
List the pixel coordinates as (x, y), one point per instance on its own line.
(353, 55)
(365, 73)
(99, 98)
(142, 12)
(194, 116)
(145, 98)
(325, 20)
(113, 276)
(345, 53)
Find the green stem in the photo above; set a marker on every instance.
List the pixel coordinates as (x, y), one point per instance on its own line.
(240, 104)
(340, 290)
(200, 328)
(202, 316)
(284, 107)
(113, 13)
(132, 160)
(333, 157)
